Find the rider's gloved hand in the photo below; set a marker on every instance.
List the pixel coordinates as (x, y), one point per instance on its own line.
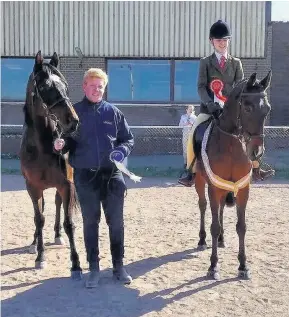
(217, 113)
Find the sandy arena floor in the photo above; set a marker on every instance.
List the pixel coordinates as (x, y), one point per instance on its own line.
(162, 223)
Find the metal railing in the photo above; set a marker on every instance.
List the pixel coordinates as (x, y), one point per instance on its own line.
(160, 147)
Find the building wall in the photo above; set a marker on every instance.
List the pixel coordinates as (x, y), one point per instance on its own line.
(280, 70)
(74, 71)
(148, 114)
(130, 28)
(278, 33)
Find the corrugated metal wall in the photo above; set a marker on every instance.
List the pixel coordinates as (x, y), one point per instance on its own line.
(119, 28)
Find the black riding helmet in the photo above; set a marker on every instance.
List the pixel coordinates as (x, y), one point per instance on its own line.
(220, 30)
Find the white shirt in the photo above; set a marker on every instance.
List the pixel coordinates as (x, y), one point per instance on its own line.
(185, 119)
(218, 55)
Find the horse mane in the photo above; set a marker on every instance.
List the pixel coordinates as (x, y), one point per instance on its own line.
(28, 101)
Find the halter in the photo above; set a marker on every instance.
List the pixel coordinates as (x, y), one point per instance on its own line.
(244, 136)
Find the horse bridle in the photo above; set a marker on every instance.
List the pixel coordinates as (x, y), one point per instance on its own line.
(47, 108)
(244, 136)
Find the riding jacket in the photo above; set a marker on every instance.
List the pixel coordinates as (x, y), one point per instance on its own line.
(210, 70)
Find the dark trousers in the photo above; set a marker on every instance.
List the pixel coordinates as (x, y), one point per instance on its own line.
(106, 187)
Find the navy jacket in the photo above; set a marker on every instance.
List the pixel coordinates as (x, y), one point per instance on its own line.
(102, 128)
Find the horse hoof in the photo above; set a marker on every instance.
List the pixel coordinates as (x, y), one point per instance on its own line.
(59, 241)
(32, 249)
(244, 274)
(76, 275)
(222, 244)
(214, 275)
(202, 247)
(40, 265)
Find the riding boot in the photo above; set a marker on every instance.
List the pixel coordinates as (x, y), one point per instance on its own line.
(120, 273)
(260, 174)
(187, 180)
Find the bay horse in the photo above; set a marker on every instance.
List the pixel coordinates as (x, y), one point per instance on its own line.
(230, 144)
(49, 114)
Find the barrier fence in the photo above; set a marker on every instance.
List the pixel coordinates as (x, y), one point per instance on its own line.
(159, 148)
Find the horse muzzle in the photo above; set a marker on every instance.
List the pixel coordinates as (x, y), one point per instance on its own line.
(255, 149)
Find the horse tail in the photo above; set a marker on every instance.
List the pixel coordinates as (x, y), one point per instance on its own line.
(230, 200)
(73, 201)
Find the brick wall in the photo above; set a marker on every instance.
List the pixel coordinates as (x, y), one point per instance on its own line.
(280, 70)
(73, 72)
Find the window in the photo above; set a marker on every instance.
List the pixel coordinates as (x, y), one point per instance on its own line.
(14, 77)
(139, 81)
(186, 77)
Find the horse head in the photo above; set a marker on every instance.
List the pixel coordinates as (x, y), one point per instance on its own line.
(245, 112)
(47, 98)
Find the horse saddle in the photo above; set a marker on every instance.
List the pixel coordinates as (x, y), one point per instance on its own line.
(199, 135)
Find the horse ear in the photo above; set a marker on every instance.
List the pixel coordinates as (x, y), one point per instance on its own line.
(265, 82)
(54, 60)
(235, 94)
(38, 61)
(252, 80)
(38, 58)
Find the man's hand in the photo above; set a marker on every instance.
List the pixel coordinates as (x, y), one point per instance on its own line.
(59, 144)
(116, 155)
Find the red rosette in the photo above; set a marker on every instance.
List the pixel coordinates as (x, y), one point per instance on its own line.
(216, 86)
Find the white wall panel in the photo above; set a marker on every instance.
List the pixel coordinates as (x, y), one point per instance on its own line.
(129, 29)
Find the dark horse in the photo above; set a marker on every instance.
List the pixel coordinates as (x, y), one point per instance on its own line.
(48, 115)
(225, 163)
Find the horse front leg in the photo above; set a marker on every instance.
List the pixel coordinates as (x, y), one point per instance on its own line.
(37, 198)
(215, 198)
(68, 196)
(33, 247)
(200, 189)
(242, 199)
(57, 226)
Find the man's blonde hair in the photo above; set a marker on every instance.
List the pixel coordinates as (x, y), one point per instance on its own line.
(96, 73)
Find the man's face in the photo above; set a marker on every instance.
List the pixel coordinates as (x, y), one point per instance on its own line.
(220, 45)
(94, 89)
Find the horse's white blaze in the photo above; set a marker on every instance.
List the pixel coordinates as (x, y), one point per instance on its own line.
(56, 78)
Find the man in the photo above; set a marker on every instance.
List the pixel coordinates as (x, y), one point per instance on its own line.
(103, 136)
(220, 65)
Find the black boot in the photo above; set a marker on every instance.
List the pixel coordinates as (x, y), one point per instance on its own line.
(93, 276)
(187, 180)
(120, 273)
(260, 174)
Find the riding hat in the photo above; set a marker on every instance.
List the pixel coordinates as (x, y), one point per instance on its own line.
(220, 30)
